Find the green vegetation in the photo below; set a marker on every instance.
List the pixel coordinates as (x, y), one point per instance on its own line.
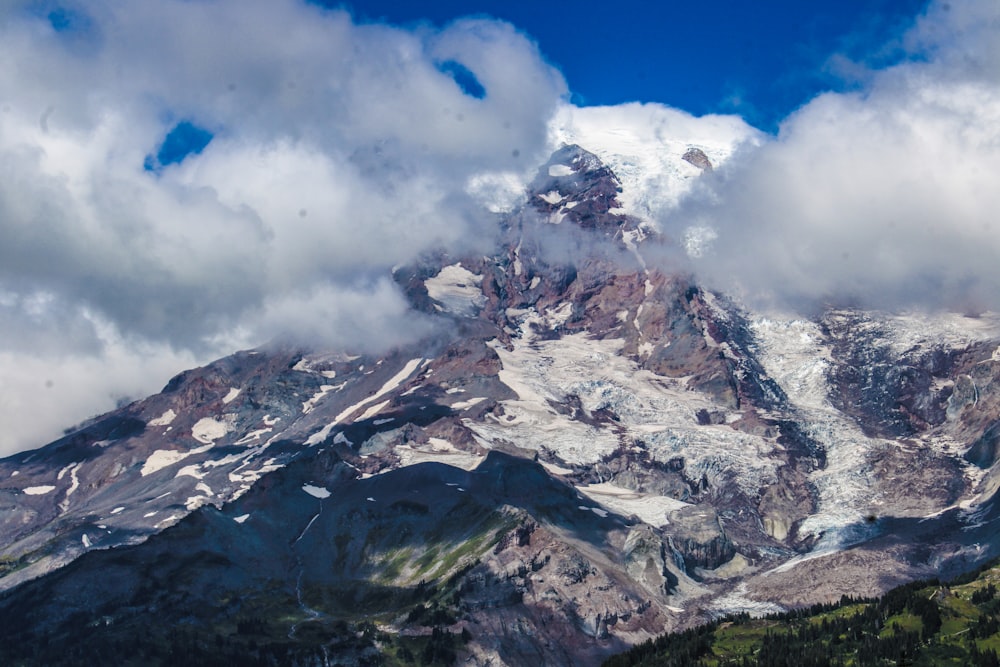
(923, 623)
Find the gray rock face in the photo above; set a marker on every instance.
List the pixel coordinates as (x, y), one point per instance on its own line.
(697, 157)
(602, 451)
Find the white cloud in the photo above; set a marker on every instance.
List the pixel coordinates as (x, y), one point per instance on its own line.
(46, 389)
(339, 151)
(342, 150)
(644, 145)
(886, 195)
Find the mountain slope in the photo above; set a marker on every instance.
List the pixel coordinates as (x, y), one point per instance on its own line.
(636, 454)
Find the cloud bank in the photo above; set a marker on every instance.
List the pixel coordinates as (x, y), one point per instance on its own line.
(886, 196)
(328, 152)
(182, 178)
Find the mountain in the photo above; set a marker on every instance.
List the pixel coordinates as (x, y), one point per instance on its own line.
(591, 451)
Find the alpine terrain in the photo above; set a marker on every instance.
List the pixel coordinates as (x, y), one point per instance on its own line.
(597, 451)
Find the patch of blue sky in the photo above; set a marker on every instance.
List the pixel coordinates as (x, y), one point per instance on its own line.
(464, 78)
(183, 140)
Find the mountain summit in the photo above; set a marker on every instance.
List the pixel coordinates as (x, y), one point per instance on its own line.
(597, 451)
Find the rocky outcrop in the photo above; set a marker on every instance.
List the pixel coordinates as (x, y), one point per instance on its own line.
(697, 157)
(698, 537)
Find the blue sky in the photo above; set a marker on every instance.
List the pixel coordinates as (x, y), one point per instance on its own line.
(758, 59)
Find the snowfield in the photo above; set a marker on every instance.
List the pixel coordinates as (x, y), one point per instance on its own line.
(657, 410)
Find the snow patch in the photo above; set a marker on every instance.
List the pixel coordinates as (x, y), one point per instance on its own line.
(373, 410)
(231, 396)
(457, 290)
(558, 316)
(86, 541)
(194, 502)
(248, 477)
(556, 469)
(207, 430)
(552, 197)
(316, 491)
(320, 435)
(74, 484)
(169, 521)
(39, 490)
(393, 383)
(465, 405)
(438, 450)
(165, 419)
(596, 510)
(117, 510)
(163, 458)
(241, 518)
(560, 170)
(652, 509)
(308, 406)
(191, 471)
(160, 459)
(253, 435)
